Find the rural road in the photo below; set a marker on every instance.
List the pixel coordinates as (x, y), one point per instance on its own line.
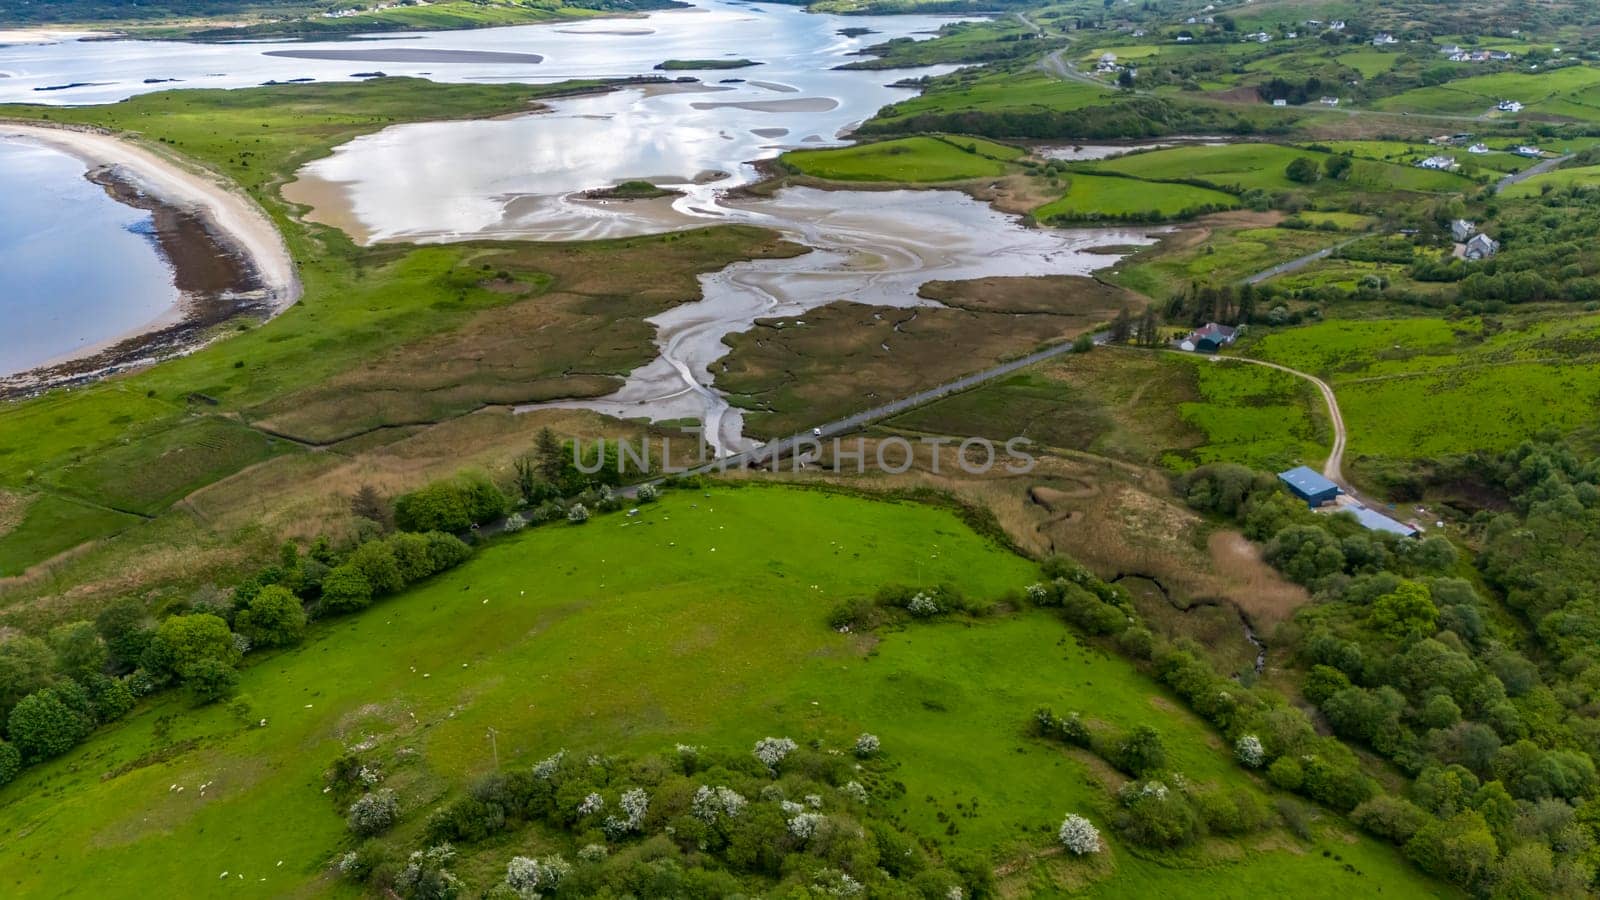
(1333, 469)
(1529, 172)
(866, 417)
(1302, 262)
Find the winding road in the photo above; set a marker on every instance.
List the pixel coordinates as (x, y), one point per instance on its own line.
(1529, 172)
(1333, 469)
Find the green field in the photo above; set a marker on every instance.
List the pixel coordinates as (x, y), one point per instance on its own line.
(1000, 92)
(1254, 416)
(1240, 167)
(1103, 196)
(1423, 388)
(914, 160)
(1570, 92)
(1560, 178)
(1230, 256)
(51, 524)
(701, 621)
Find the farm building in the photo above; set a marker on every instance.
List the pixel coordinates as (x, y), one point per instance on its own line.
(1309, 485)
(1210, 339)
(1373, 520)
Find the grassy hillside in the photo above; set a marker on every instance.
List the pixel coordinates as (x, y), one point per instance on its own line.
(916, 160)
(701, 621)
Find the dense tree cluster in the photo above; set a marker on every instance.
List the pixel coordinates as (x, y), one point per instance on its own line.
(1404, 657)
(690, 822)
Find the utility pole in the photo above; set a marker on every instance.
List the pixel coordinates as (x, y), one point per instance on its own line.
(494, 746)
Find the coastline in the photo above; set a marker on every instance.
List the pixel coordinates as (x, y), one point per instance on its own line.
(228, 258)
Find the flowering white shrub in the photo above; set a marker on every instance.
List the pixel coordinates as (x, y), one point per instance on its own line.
(1250, 752)
(515, 522)
(1037, 593)
(369, 776)
(867, 745)
(835, 883)
(771, 750)
(241, 644)
(591, 805)
(922, 605)
(530, 877)
(546, 769)
(791, 808)
(593, 852)
(1079, 835)
(804, 825)
(373, 813)
(1134, 791)
(648, 493)
(814, 801)
(577, 515)
(955, 893)
(635, 802)
(855, 791)
(422, 864)
(709, 803)
(349, 864)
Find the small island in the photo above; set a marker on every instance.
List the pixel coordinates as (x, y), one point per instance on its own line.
(676, 65)
(631, 190)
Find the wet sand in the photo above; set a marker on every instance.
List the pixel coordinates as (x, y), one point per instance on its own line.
(876, 249)
(413, 55)
(227, 257)
(799, 105)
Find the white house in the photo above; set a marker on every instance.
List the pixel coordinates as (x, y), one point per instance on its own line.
(1329, 101)
(1529, 151)
(1280, 102)
(1439, 163)
(1383, 39)
(1481, 246)
(1461, 229)
(1451, 50)
(1511, 106)
(1478, 149)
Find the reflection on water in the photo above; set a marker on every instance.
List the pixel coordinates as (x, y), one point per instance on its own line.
(55, 298)
(516, 177)
(785, 39)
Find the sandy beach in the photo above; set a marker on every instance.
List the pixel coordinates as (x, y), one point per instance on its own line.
(43, 35)
(235, 217)
(218, 241)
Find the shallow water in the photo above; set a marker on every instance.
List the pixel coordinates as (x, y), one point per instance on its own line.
(79, 267)
(783, 38)
(875, 248)
(516, 176)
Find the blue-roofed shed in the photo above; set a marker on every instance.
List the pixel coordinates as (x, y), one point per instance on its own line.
(1309, 485)
(1377, 521)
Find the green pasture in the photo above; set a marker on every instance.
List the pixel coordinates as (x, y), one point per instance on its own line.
(913, 159)
(1423, 388)
(1104, 196)
(702, 620)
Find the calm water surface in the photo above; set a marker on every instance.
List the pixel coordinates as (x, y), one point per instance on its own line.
(76, 267)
